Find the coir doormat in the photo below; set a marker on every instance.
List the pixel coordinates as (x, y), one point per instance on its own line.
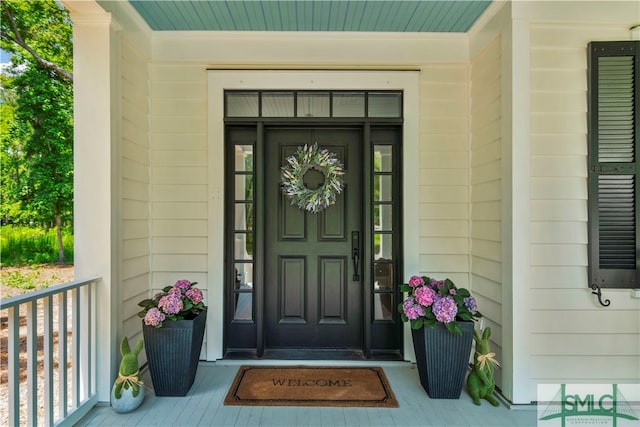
(311, 386)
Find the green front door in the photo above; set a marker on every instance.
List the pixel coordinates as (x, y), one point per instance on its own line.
(313, 294)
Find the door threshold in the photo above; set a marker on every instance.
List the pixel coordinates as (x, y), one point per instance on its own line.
(339, 355)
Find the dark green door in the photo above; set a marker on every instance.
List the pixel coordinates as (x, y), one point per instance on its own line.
(311, 298)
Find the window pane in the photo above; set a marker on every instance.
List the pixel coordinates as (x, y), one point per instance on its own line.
(382, 188)
(382, 276)
(243, 219)
(277, 104)
(382, 246)
(243, 246)
(382, 160)
(313, 104)
(244, 158)
(383, 306)
(243, 306)
(244, 277)
(349, 104)
(242, 104)
(244, 187)
(382, 217)
(385, 105)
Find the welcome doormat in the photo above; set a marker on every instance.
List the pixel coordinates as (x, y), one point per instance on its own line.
(311, 386)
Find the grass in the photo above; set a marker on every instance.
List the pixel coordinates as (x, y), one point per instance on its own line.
(21, 245)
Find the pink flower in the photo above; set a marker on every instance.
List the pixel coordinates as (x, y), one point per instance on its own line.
(154, 317)
(412, 310)
(182, 284)
(425, 295)
(195, 295)
(445, 309)
(416, 281)
(171, 303)
(452, 291)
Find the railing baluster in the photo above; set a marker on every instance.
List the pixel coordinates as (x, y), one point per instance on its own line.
(75, 345)
(14, 365)
(47, 329)
(32, 363)
(91, 346)
(62, 355)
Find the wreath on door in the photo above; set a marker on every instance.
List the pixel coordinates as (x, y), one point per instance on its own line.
(312, 178)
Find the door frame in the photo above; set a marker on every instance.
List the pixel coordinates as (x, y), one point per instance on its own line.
(221, 80)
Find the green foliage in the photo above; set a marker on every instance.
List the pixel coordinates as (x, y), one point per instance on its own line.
(36, 133)
(29, 245)
(19, 280)
(38, 32)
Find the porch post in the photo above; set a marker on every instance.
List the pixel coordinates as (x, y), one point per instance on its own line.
(516, 266)
(93, 219)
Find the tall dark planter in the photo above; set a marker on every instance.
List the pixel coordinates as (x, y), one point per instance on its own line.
(173, 352)
(442, 359)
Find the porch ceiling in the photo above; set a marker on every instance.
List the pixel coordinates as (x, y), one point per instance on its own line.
(311, 15)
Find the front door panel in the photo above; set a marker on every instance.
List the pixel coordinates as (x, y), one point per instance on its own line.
(311, 298)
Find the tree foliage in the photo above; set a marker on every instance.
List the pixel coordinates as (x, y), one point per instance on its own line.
(37, 114)
(38, 32)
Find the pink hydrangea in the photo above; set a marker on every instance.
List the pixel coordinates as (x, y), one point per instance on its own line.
(195, 295)
(171, 303)
(416, 281)
(412, 310)
(471, 304)
(182, 284)
(452, 291)
(425, 295)
(154, 317)
(445, 309)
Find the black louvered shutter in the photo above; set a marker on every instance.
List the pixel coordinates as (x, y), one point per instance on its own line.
(614, 130)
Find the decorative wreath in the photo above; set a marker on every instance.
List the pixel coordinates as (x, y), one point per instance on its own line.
(321, 160)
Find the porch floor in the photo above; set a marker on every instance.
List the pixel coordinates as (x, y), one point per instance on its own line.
(203, 405)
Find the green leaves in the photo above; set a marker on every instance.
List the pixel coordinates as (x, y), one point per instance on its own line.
(37, 98)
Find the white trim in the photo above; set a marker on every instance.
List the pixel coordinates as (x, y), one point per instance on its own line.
(219, 81)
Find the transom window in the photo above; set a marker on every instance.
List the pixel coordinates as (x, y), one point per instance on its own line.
(310, 104)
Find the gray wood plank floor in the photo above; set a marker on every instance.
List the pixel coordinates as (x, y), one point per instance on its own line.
(203, 406)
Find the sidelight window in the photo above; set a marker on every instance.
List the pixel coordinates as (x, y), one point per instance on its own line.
(243, 232)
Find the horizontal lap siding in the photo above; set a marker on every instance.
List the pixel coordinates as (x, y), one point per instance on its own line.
(486, 191)
(444, 172)
(571, 332)
(135, 193)
(179, 174)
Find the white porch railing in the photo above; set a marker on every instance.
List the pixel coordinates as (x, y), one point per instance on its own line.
(58, 326)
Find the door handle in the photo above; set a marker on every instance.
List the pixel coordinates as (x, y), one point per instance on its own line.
(355, 254)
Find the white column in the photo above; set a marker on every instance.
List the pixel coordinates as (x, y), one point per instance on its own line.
(93, 217)
(516, 233)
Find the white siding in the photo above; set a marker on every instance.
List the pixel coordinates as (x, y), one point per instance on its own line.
(443, 197)
(486, 190)
(135, 200)
(179, 171)
(570, 332)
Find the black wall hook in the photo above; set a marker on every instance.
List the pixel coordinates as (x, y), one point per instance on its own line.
(597, 291)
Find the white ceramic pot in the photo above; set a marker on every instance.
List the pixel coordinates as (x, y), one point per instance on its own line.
(127, 401)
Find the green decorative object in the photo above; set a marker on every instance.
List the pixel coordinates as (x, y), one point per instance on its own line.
(480, 382)
(312, 159)
(128, 389)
